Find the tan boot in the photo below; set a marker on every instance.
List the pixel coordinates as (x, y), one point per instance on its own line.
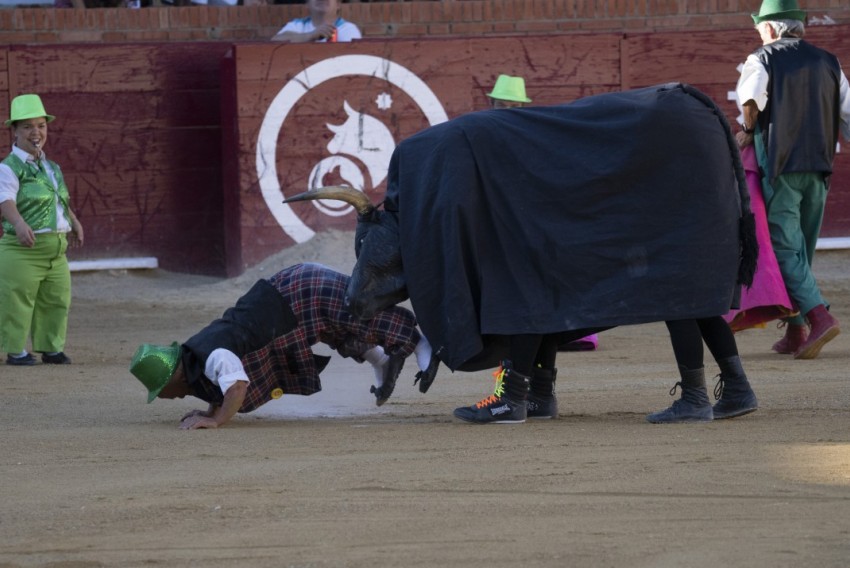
(795, 336)
(824, 329)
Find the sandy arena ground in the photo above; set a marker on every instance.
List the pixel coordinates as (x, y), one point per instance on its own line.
(90, 475)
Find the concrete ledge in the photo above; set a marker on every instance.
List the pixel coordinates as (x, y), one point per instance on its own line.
(113, 264)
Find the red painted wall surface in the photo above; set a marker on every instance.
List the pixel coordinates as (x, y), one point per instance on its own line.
(137, 136)
(159, 140)
(312, 84)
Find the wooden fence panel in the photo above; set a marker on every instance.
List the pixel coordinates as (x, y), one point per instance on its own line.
(138, 137)
(457, 73)
(161, 142)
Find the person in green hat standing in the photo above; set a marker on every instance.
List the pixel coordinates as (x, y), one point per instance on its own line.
(795, 99)
(38, 226)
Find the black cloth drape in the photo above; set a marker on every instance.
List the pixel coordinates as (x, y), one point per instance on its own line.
(616, 209)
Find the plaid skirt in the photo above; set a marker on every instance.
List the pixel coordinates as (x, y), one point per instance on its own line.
(316, 293)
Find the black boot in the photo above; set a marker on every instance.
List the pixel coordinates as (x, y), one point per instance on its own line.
(694, 405)
(732, 392)
(507, 405)
(541, 397)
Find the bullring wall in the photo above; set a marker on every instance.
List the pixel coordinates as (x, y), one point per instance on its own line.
(159, 139)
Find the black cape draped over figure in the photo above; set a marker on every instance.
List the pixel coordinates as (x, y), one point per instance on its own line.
(616, 209)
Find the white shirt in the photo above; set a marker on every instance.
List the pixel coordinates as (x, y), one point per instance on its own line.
(752, 86)
(345, 30)
(10, 185)
(224, 368)
(216, 2)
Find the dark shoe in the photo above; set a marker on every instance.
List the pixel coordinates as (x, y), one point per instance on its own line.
(542, 407)
(507, 405)
(795, 336)
(58, 359)
(733, 393)
(730, 406)
(24, 361)
(694, 405)
(682, 411)
(392, 369)
(426, 377)
(824, 329)
(541, 395)
(493, 410)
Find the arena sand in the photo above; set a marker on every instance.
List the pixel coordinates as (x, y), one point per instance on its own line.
(92, 476)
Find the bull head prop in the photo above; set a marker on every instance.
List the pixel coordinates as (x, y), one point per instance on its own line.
(377, 281)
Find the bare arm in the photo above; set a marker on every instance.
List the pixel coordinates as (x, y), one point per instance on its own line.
(24, 232)
(219, 415)
(751, 115)
(76, 236)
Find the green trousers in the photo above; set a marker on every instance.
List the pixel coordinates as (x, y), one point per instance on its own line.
(35, 293)
(795, 204)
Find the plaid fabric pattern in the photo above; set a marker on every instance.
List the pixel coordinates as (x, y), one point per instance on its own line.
(315, 293)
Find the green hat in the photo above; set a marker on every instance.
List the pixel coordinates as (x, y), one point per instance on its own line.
(154, 365)
(27, 106)
(509, 88)
(772, 10)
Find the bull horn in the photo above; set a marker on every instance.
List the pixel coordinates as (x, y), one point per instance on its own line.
(357, 199)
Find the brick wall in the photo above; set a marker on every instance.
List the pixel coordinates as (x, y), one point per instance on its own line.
(436, 18)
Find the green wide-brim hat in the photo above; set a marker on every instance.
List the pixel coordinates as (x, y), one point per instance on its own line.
(27, 106)
(772, 10)
(154, 365)
(509, 88)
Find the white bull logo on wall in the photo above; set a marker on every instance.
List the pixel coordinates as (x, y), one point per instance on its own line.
(361, 146)
(361, 139)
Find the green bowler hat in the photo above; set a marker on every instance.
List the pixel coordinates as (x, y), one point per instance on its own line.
(509, 88)
(772, 10)
(27, 106)
(154, 365)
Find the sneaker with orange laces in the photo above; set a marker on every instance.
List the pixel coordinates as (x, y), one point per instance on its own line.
(507, 404)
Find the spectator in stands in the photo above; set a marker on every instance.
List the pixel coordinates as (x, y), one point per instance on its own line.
(322, 25)
(219, 3)
(96, 3)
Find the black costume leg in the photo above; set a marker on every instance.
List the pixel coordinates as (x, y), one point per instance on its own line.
(523, 352)
(542, 402)
(719, 337)
(686, 337)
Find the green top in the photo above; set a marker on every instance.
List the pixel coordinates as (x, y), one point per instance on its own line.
(36, 199)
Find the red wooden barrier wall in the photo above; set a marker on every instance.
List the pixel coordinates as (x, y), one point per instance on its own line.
(310, 86)
(159, 141)
(138, 138)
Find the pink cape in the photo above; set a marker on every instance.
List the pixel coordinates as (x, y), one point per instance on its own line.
(589, 343)
(767, 299)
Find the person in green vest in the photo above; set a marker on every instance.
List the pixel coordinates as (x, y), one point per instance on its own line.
(38, 226)
(795, 99)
